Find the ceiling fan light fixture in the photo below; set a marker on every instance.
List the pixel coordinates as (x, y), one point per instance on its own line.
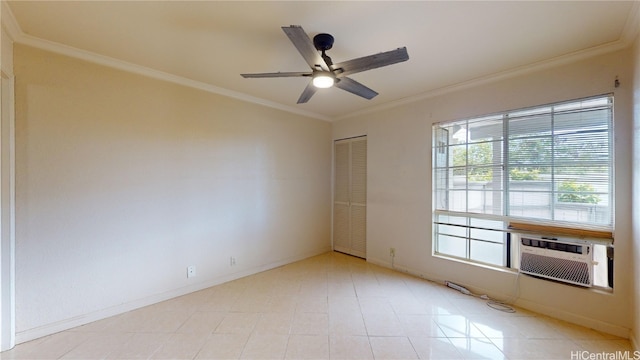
(323, 81)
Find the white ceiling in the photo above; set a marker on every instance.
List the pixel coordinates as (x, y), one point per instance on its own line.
(208, 44)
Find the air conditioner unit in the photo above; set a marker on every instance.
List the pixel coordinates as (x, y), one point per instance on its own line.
(561, 260)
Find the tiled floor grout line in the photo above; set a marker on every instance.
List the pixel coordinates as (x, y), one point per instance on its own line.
(423, 317)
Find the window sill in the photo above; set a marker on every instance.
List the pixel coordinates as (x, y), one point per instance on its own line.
(516, 272)
(475, 263)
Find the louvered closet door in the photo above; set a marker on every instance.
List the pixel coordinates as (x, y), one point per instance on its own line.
(350, 197)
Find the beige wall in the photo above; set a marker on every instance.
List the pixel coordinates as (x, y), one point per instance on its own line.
(635, 260)
(399, 188)
(124, 181)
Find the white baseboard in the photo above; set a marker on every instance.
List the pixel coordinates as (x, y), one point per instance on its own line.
(404, 269)
(48, 329)
(633, 339)
(525, 304)
(574, 318)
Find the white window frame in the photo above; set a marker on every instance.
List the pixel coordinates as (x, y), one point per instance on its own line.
(462, 223)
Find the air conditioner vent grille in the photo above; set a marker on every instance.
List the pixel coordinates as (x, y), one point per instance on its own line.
(553, 245)
(571, 271)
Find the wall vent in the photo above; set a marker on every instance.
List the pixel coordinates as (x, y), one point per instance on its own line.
(565, 261)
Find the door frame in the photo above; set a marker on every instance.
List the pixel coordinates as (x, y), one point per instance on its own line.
(9, 31)
(7, 212)
(333, 185)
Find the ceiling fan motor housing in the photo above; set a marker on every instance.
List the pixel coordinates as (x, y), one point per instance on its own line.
(323, 42)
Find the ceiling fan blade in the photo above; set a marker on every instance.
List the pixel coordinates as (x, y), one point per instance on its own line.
(355, 87)
(371, 62)
(276, 74)
(305, 46)
(307, 93)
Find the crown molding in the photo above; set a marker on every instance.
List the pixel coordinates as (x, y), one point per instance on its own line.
(11, 26)
(155, 74)
(9, 23)
(629, 33)
(495, 77)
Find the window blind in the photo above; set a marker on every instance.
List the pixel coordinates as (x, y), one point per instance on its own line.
(550, 165)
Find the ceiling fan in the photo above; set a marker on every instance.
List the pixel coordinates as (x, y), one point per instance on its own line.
(324, 72)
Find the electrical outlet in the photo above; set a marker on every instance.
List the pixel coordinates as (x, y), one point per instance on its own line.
(191, 271)
(232, 261)
(392, 252)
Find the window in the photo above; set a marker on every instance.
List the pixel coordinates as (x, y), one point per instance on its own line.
(550, 165)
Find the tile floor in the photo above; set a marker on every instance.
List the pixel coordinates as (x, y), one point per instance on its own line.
(331, 306)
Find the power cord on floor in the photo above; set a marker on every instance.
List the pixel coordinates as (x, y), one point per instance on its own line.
(500, 306)
(492, 303)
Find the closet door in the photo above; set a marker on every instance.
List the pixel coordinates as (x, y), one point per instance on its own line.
(350, 197)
